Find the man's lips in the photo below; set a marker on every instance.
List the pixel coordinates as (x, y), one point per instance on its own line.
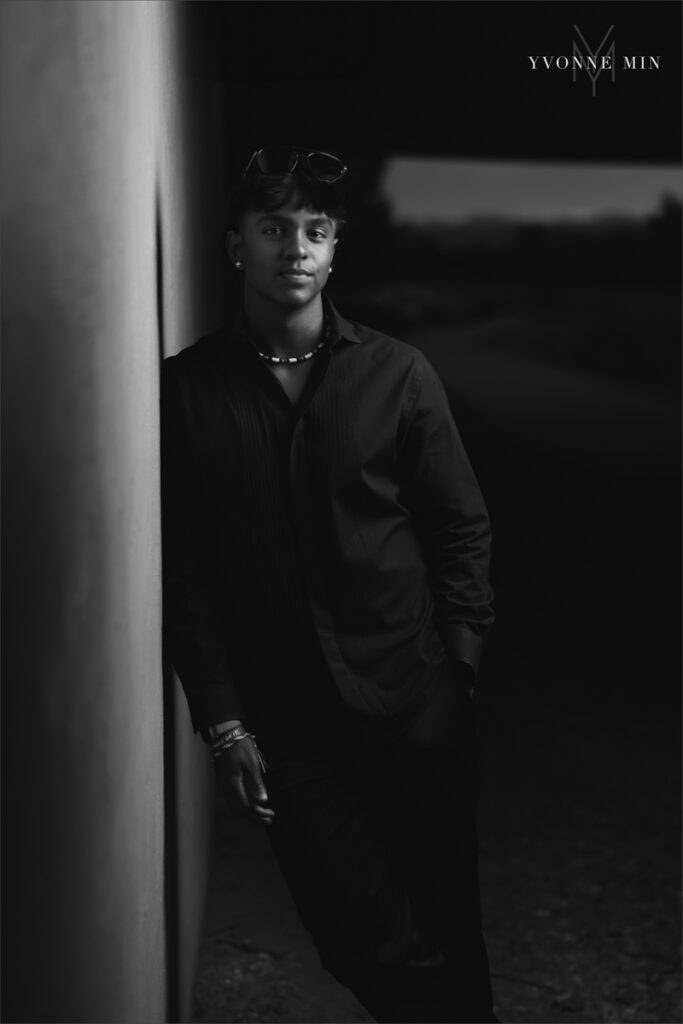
(292, 272)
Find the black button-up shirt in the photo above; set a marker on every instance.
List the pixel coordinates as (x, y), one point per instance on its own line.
(340, 536)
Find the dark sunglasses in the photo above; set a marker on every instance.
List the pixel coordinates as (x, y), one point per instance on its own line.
(285, 159)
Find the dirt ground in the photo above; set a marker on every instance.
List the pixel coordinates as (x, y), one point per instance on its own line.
(579, 710)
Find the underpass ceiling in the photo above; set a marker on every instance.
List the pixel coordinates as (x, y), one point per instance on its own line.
(443, 79)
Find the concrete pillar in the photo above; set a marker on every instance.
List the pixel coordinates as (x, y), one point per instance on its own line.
(95, 175)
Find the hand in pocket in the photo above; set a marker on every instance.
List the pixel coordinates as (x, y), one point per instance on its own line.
(446, 720)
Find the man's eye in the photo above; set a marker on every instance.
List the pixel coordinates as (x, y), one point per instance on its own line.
(318, 235)
(271, 231)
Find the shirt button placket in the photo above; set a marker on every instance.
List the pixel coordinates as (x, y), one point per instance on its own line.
(307, 530)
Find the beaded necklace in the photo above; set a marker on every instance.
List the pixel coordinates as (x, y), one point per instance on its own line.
(289, 360)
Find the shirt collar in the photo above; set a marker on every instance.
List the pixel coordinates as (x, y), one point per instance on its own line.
(341, 328)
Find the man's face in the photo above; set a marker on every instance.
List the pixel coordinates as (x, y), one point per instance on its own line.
(286, 255)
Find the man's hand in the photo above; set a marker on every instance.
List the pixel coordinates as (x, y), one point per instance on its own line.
(447, 717)
(240, 782)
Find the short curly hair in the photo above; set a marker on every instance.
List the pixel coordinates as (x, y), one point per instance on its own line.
(270, 192)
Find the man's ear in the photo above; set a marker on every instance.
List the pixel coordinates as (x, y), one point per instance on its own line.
(233, 247)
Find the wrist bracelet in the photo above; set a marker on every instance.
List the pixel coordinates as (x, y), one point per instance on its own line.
(227, 736)
(220, 749)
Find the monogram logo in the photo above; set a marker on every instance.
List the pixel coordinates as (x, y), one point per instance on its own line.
(589, 60)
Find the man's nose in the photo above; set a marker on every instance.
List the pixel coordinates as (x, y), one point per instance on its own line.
(295, 246)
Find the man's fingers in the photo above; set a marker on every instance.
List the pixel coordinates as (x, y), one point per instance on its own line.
(241, 781)
(253, 782)
(264, 815)
(247, 805)
(240, 791)
(257, 793)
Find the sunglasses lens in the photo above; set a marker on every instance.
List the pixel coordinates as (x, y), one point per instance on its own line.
(325, 167)
(276, 160)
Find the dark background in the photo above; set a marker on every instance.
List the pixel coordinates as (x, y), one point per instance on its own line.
(441, 78)
(560, 350)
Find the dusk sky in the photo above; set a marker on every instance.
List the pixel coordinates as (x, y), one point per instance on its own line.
(451, 190)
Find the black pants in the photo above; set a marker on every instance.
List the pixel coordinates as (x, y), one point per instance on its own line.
(377, 844)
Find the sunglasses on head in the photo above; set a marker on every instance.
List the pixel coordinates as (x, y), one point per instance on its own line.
(322, 167)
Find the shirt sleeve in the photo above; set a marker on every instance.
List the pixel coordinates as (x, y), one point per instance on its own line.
(194, 638)
(450, 515)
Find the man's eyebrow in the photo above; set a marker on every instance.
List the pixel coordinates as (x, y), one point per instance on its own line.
(280, 218)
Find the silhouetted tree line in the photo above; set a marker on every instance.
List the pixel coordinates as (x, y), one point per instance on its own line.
(610, 250)
(602, 294)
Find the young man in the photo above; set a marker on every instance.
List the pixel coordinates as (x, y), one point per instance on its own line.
(326, 552)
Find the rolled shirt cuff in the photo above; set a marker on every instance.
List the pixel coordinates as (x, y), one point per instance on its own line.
(212, 704)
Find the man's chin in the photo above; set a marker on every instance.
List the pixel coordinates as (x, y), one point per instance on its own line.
(284, 297)
(294, 297)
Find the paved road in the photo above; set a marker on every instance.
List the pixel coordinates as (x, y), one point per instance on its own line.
(606, 423)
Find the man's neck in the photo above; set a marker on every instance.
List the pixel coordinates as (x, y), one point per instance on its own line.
(284, 332)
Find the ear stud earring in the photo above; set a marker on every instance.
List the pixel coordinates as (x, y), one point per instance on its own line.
(238, 264)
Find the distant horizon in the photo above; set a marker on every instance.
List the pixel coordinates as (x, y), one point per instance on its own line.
(427, 192)
(512, 220)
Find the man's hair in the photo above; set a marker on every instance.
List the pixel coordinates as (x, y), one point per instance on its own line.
(269, 192)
